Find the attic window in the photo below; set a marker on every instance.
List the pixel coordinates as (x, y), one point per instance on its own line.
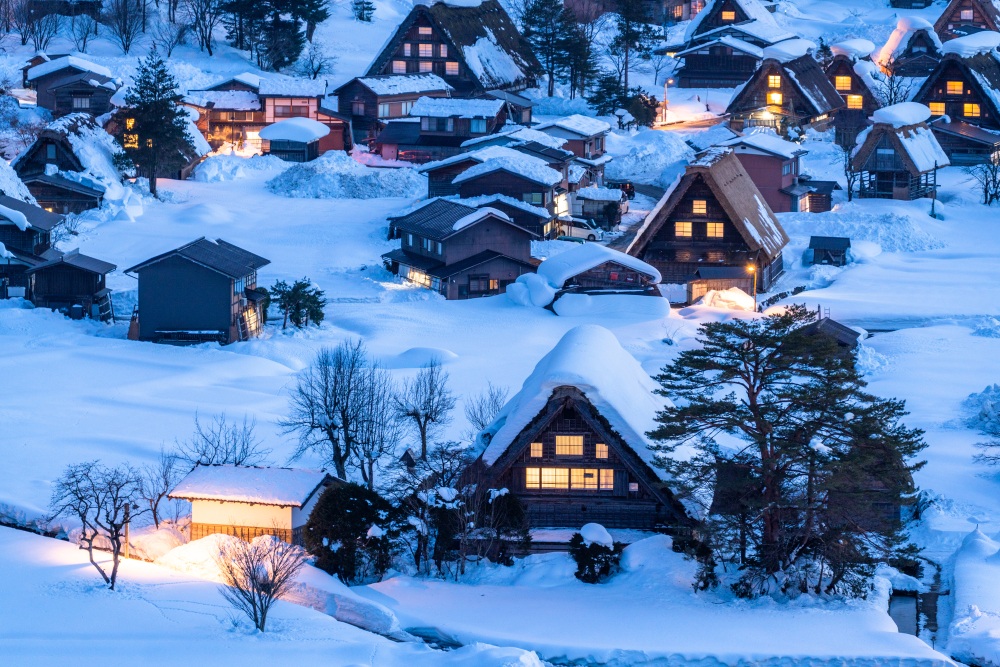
(842, 82)
(971, 110)
(714, 230)
(426, 50)
(966, 15)
(955, 87)
(682, 229)
(569, 445)
(699, 207)
(536, 450)
(600, 451)
(678, 11)
(358, 108)
(774, 81)
(81, 103)
(50, 151)
(728, 15)
(451, 68)
(424, 31)
(855, 102)
(937, 108)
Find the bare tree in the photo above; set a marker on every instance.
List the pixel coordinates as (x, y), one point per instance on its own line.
(168, 36)
(23, 17)
(124, 19)
(223, 442)
(483, 408)
(315, 61)
(104, 500)
(379, 429)
(426, 401)
(258, 573)
(324, 410)
(157, 480)
(82, 28)
(987, 176)
(204, 16)
(43, 29)
(891, 88)
(989, 451)
(24, 129)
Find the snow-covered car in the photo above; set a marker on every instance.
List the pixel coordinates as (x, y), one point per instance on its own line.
(581, 228)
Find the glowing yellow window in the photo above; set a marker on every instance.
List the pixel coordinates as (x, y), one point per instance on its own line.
(601, 451)
(774, 98)
(728, 15)
(682, 229)
(855, 102)
(608, 479)
(584, 478)
(699, 207)
(532, 478)
(130, 123)
(937, 108)
(773, 81)
(130, 140)
(536, 450)
(569, 445)
(970, 110)
(714, 230)
(555, 478)
(842, 82)
(955, 87)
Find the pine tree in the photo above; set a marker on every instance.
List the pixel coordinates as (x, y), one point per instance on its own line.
(153, 124)
(313, 12)
(545, 29)
(635, 36)
(364, 10)
(300, 303)
(283, 41)
(606, 95)
(795, 491)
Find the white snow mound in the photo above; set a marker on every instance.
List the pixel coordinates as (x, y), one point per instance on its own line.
(729, 299)
(334, 175)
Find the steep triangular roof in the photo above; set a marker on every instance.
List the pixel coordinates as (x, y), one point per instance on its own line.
(904, 127)
(725, 176)
(481, 36)
(91, 149)
(981, 70)
(747, 11)
(906, 29)
(988, 9)
(807, 78)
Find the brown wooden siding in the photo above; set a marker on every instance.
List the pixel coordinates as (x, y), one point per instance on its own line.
(247, 533)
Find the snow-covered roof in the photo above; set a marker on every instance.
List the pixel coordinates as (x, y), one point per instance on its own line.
(246, 78)
(789, 50)
(590, 359)
(11, 184)
(286, 86)
(584, 126)
(870, 74)
(491, 64)
(197, 139)
(923, 148)
(477, 215)
(594, 193)
(482, 200)
(512, 134)
(67, 62)
(301, 130)
(754, 11)
(19, 219)
(727, 40)
(576, 173)
(768, 141)
(236, 100)
(905, 113)
(853, 48)
(287, 487)
(402, 84)
(970, 45)
(585, 256)
(480, 155)
(900, 37)
(522, 165)
(447, 107)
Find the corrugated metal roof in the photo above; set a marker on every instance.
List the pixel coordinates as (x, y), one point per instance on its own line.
(219, 256)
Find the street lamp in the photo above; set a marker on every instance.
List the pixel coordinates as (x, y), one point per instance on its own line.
(666, 102)
(752, 270)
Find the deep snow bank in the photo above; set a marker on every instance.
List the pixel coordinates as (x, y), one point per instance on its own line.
(217, 168)
(335, 175)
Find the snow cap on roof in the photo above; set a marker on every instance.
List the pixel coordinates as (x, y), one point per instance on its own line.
(478, 215)
(900, 37)
(590, 359)
(282, 86)
(853, 48)
(19, 219)
(303, 130)
(789, 50)
(594, 193)
(904, 113)
(481, 155)
(754, 10)
(447, 107)
(577, 124)
(67, 62)
(287, 487)
(522, 165)
(583, 257)
(767, 140)
(974, 44)
(235, 100)
(11, 184)
(402, 84)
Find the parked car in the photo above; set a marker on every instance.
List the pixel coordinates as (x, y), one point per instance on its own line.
(582, 229)
(622, 184)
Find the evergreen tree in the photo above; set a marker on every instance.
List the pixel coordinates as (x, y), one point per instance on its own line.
(282, 41)
(635, 36)
(606, 95)
(312, 12)
(797, 489)
(364, 10)
(546, 24)
(300, 303)
(153, 124)
(578, 57)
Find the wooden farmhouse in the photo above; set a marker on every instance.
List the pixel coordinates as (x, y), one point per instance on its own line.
(250, 501)
(70, 166)
(522, 177)
(285, 97)
(372, 101)
(73, 85)
(26, 237)
(746, 20)
(858, 83)
(571, 445)
(459, 251)
(965, 17)
(898, 156)
(230, 112)
(785, 94)
(963, 87)
(37, 59)
(294, 139)
(438, 127)
(714, 216)
(723, 62)
(202, 291)
(474, 48)
(913, 49)
(966, 144)
(773, 164)
(591, 268)
(585, 138)
(72, 283)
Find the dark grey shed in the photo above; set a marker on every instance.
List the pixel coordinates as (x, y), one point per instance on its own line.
(831, 250)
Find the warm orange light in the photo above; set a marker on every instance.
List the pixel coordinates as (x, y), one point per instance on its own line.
(751, 268)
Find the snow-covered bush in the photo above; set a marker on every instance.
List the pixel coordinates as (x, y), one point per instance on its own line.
(335, 175)
(984, 408)
(595, 552)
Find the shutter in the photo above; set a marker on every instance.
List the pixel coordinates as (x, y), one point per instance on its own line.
(621, 483)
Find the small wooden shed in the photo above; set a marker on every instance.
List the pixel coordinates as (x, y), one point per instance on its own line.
(74, 283)
(831, 250)
(294, 139)
(250, 501)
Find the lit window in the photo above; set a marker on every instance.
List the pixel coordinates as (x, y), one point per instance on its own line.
(130, 123)
(682, 229)
(699, 207)
(773, 81)
(407, 49)
(426, 50)
(419, 277)
(536, 450)
(728, 15)
(842, 82)
(426, 66)
(399, 67)
(555, 478)
(955, 87)
(855, 102)
(451, 68)
(477, 126)
(569, 445)
(443, 51)
(532, 478)
(937, 108)
(601, 451)
(714, 230)
(774, 98)
(607, 479)
(678, 12)
(966, 15)
(358, 108)
(424, 30)
(970, 110)
(81, 102)
(584, 478)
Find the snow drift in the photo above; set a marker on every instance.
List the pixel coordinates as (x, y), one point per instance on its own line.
(334, 175)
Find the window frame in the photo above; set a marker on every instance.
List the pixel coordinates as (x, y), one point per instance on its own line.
(699, 207)
(536, 450)
(773, 81)
(855, 102)
(949, 87)
(569, 444)
(715, 230)
(973, 107)
(451, 68)
(687, 227)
